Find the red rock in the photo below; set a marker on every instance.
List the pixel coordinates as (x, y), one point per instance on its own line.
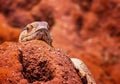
(35, 62)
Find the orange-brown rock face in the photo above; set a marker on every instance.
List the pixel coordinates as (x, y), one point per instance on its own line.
(35, 62)
(86, 29)
(7, 33)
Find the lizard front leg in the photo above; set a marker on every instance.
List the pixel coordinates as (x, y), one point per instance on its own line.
(83, 71)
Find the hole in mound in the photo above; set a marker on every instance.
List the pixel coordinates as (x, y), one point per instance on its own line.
(35, 70)
(24, 4)
(85, 5)
(79, 24)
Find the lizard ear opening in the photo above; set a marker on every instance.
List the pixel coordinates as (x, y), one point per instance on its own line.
(22, 35)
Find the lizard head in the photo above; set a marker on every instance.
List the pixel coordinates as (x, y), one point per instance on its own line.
(36, 31)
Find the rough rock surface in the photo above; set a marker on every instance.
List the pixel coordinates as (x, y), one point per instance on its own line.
(7, 33)
(35, 62)
(89, 27)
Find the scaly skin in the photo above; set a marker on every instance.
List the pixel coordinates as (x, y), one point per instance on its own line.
(39, 31)
(36, 30)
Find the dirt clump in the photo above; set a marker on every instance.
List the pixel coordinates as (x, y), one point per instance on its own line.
(35, 62)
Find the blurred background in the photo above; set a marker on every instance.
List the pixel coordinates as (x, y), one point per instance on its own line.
(85, 29)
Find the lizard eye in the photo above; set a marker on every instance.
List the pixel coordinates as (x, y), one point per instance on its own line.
(29, 29)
